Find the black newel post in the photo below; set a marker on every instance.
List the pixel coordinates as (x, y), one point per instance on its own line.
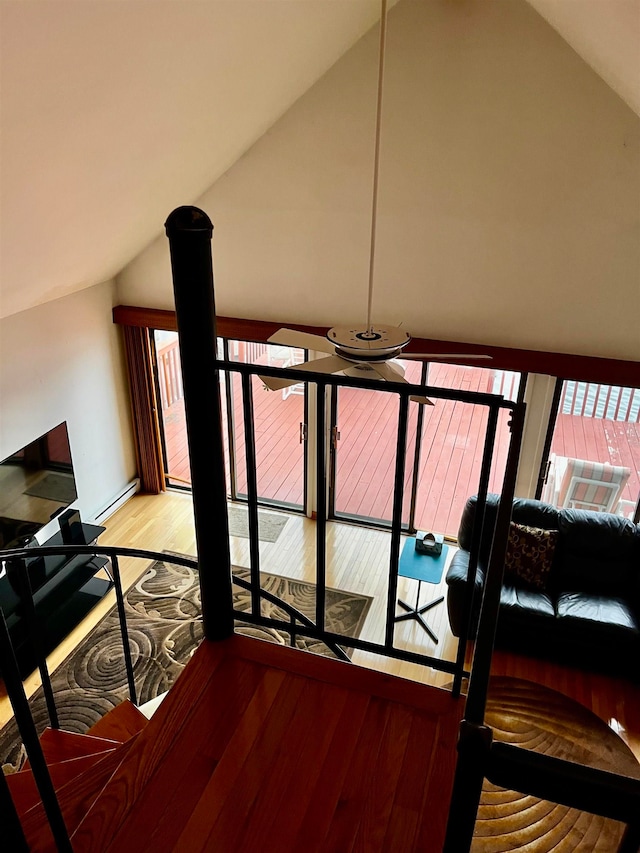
(189, 231)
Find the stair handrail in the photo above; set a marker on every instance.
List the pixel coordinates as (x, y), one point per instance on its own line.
(608, 794)
(15, 688)
(29, 734)
(114, 552)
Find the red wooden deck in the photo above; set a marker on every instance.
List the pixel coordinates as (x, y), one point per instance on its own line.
(453, 438)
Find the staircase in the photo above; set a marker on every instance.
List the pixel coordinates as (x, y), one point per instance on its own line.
(257, 747)
(79, 765)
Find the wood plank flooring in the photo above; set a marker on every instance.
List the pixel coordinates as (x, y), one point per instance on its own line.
(261, 747)
(358, 561)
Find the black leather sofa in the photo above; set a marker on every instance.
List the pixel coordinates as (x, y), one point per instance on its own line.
(588, 613)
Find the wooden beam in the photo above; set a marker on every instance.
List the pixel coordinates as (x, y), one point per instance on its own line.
(583, 368)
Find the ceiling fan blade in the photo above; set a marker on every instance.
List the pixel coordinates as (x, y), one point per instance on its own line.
(331, 364)
(437, 356)
(388, 371)
(392, 374)
(424, 401)
(304, 340)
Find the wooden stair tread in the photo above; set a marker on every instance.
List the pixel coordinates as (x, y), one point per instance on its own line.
(120, 723)
(59, 745)
(75, 798)
(24, 790)
(115, 727)
(251, 731)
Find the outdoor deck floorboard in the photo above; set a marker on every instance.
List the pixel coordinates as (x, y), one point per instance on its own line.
(451, 456)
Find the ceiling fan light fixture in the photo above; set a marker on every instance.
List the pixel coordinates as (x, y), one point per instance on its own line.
(362, 370)
(382, 342)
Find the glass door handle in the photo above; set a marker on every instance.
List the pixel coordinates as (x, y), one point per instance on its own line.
(303, 432)
(335, 437)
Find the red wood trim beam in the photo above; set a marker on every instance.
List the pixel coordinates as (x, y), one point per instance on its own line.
(227, 327)
(579, 367)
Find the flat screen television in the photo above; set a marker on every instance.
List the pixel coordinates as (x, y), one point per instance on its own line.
(36, 484)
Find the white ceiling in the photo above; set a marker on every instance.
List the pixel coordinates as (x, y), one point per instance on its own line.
(606, 34)
(114, 111)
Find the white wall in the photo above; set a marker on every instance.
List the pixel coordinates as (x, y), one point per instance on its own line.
(509, 195)
(111, 111)
(64, 361)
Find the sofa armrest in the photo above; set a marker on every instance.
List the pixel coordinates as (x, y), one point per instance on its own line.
(459, 567)
(634, 595)
(456, 592)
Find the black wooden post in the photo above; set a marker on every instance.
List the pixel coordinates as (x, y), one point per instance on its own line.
(189, 231)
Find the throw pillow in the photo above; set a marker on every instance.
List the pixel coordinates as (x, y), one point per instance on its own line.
(529, 555)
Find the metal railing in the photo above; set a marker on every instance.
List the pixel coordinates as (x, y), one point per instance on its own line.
(494, 404)
(13, 681)
(295, 624)
(190, 231)
(577, 786)
(201, 368)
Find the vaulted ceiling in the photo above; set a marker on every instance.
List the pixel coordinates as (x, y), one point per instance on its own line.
(115, 113)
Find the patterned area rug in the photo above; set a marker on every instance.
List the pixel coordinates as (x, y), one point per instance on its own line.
(542, 720)
(163, 619)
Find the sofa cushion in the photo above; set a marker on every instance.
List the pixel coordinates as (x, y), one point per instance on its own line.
(598, 553)
(529, 556)
(603, 617)
(519, 603)
(458, 568)
(456, 596)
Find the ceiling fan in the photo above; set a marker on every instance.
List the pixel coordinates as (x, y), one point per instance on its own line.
(366, 351)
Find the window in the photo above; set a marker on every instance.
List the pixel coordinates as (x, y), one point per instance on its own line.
(594, 449)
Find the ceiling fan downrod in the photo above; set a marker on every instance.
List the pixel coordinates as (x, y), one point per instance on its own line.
(376, 169)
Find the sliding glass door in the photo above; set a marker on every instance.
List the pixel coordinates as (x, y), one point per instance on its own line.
(452, 445)
(279, 422)
(444, 449)
(444, 441)
(363, 453)
(171, 413)
(279, 425)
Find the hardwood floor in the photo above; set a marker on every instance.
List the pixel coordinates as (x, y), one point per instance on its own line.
(262, 747)
(357, 560)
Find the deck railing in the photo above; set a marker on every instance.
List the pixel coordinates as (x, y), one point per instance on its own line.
(605, 402)
(169, 374)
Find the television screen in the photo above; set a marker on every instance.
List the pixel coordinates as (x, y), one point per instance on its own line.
(36, 484)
